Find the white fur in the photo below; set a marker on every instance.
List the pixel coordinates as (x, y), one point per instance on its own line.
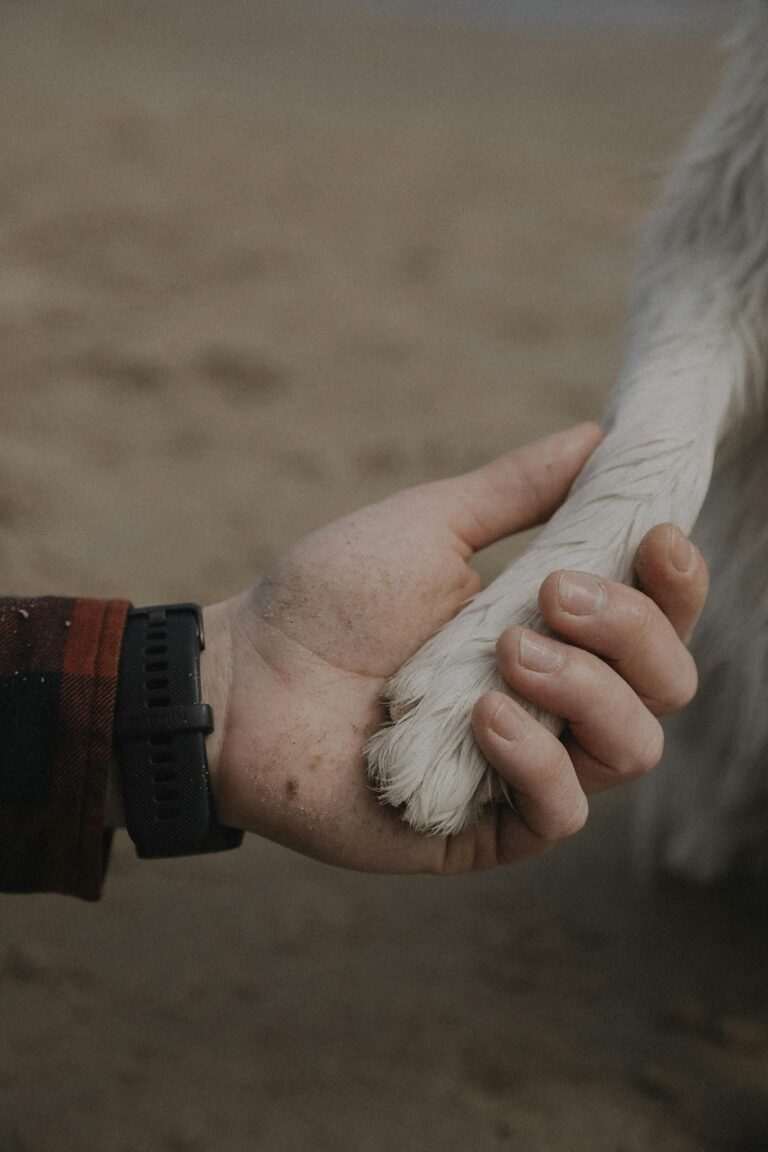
(692, 399)
(706, 809)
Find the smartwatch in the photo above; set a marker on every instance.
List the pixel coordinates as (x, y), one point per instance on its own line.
(160, 727)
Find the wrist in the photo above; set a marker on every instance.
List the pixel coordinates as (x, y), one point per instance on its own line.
(216, 679)
(254, 716)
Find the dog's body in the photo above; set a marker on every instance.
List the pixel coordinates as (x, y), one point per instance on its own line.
(687, 434)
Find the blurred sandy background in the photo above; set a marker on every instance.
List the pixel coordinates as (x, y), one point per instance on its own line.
(260, 263)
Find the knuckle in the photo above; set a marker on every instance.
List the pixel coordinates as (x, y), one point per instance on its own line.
(634, 627)
(566, 808)
(554, 779)
(679, 693)
(688, 685)
(569, 822)
(647, 754)
(641, 758)
(644, 613)
(692, 686)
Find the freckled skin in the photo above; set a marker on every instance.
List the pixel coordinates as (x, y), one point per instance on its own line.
(295, 667)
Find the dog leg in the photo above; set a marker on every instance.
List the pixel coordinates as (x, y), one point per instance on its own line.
(696, 374)
(706, 809)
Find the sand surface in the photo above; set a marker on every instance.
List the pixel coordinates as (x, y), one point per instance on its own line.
(260, 264)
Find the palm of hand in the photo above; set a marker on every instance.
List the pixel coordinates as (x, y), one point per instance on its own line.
(313, 644)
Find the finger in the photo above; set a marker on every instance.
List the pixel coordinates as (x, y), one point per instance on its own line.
(673, 573)
(499, 836)
(535, 766)
(606, 716)
(593, 774)
(520, 489)
(626, 627)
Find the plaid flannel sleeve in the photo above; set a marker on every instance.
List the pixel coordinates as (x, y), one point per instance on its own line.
(58, 679)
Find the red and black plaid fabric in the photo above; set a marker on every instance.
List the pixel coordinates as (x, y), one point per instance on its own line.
(58, 679)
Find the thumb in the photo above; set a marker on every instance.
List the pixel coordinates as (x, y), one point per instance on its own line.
(520, 489)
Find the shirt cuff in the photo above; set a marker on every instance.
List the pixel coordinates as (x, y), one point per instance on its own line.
(59, 661)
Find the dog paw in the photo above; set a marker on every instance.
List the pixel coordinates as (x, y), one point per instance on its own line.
(427, 762)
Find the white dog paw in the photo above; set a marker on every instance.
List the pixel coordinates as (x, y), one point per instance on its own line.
(427, 761)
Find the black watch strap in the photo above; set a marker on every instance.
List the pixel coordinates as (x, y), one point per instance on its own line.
(160, 727)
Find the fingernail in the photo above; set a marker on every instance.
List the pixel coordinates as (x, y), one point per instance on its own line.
(580, 594)
(681, 552)
(539, 654)
(506, 721)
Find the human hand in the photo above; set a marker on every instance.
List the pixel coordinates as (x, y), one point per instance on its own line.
(295, 670)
